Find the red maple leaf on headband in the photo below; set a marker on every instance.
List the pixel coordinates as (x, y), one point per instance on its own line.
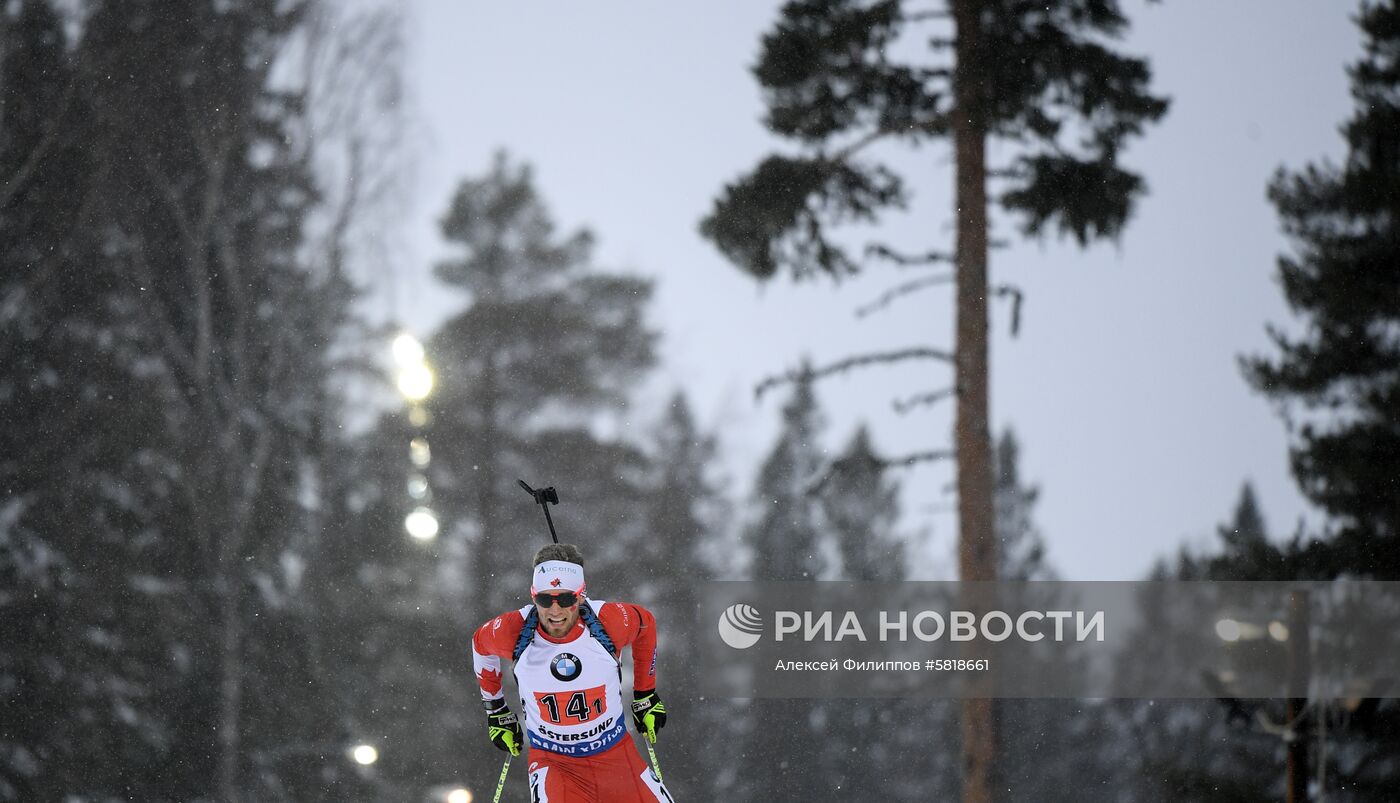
(554, 583)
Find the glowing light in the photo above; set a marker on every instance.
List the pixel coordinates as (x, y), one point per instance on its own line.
(1278, 631)
(407, 350)
(459, 796)
(416, 382)
(419, 453)
(418, 417)
(364, 754)
(417, 486)
(422, 524)
(1228, 630)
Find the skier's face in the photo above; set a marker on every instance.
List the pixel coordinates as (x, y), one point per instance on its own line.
(557, 620)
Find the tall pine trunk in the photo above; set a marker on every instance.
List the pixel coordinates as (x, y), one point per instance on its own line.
(229, 782)
(976, 544)
(243, 470)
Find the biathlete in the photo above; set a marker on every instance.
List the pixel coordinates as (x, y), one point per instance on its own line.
(567, 655)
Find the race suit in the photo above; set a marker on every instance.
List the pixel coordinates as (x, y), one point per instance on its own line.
(571, 699)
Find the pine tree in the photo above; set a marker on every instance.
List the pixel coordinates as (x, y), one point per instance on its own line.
(1204, 750)
(1032, 73)
(1247, 525)
(785, 540)
(785, 544)
(1020, 546)
(1362, 734)
(168, 342)
(204, 202)
(1049, 749)
(686, 525)
(152, 207)
(1337, 376)
(685, 515)
(1245, 549)
(547, 343)
(861, 508)
(874, 749)
(1343, 278)
(75, 469)
(409, 607)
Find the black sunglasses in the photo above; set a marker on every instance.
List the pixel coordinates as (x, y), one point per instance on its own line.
(566, 599)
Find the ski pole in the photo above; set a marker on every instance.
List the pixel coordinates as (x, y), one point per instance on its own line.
(543, 498)
(501, 784)
(655, 765)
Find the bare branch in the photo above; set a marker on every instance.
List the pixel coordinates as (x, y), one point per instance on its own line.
(180, 358)
(4, 50)
(915, 458)
(900, 291)
(876, 463)
(175, 202)
(906, 260)
(859, 145)
(923, 400)
(250, 485)
(936, 125)
(354, 133)
(40, 151)
(917, 353)
(1001, 291)
(240, 307)
(922, 16)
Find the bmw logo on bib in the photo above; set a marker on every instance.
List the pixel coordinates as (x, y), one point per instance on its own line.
(565, 667)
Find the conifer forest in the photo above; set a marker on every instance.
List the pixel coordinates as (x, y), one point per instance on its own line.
(294, 294)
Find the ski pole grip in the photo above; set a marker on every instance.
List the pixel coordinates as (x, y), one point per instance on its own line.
(542, 496)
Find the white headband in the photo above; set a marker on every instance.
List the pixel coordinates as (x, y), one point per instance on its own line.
(557, 575)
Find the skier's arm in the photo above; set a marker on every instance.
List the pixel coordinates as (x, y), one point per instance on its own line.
(492, 642)
(634, 626)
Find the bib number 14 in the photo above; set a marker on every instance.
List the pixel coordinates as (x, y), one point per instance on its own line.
(571, 708)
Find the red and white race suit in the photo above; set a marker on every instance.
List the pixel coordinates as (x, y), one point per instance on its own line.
(571, 700)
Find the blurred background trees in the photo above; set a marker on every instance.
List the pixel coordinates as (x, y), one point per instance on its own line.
(1044, 79)
(547, 346)
(169, 343)
(1336, 382)
(206, 587)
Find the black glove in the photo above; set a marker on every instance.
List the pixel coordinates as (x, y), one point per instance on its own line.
(648, 713)
(502, 726)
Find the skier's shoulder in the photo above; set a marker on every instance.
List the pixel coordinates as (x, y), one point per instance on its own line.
(622, 620)
(611, 609)
(498, 636)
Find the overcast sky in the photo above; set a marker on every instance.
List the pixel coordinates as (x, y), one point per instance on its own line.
(1123, 385)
